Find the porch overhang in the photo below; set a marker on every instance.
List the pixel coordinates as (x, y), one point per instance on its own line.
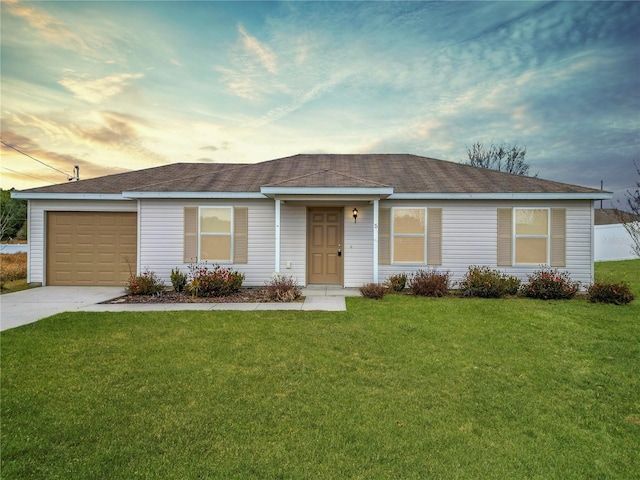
(326, 193)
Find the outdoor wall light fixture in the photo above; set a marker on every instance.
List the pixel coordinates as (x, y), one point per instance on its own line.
(355, 215)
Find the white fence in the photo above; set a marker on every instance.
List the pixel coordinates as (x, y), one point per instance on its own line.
(14, 247)
(612, 242)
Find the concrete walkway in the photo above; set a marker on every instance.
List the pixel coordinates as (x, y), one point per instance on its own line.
(28, 306)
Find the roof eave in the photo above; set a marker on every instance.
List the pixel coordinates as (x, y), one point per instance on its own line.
(190, 195)
(67, 196)
(501, 196)
(381, 192)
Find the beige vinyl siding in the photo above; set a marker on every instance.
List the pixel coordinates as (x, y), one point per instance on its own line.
(37, 226)
(190, 235)
(384, 236)
(162, 234)
(505, 237)
(240, 234)
(558, 239)
(434, 236)
(358, 246)
(469, 237)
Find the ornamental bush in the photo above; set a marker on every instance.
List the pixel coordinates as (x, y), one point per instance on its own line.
(608, 292)
(282, 288)
(373, 290)
(178, 280)
(430, 283)
(146, 284)
(215, 281)
(485, 282)
(550, 284)
(396, 283)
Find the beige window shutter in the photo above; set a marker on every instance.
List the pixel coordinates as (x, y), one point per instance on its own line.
(434, 236)
(190, 234)
(384, 236)
(505, 232)
(240, 234)
(558, 237)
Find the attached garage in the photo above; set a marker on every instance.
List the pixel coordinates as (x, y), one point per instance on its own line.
(90, 248)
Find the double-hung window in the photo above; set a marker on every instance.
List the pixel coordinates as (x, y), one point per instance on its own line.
(531, 236)
(216, 234)
(409, 235)
(216, 226)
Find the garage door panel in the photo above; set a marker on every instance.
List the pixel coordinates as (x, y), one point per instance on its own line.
(91, 248)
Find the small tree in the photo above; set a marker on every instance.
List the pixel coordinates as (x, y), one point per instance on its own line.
(13, 215)
(503, 157)
(631, 222)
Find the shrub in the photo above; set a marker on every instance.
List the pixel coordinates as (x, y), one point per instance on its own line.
(282, 288)
(205, 281)
(550, 284)
(511, 285)
(396, 283)
(430, 283)
(146, 284)
(13, 266)
(485, 282)
(373, 290)
(607, 292)
(178, 280)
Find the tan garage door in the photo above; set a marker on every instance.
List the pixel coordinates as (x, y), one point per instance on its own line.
(90, 248)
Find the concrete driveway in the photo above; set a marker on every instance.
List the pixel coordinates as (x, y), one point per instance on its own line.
(29, 306)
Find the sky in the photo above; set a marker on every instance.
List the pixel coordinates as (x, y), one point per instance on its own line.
(118, 86)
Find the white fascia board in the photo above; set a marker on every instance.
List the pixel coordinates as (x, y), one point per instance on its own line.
(501, 196)
(272, 191)
(193, 195)
(68, 196)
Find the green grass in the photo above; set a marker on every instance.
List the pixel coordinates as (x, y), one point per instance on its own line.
(397, 388)
(15, 286)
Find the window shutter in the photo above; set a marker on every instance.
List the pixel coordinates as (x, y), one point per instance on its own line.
(434, 236)
(505, 231)
(384, 236)
(558, 237)
(240, 234)
(190, 235)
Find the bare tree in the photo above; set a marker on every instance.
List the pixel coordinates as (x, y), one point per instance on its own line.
(503, 157)
(631, 222)
(13, 214)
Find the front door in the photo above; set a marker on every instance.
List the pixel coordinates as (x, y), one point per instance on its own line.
(324, 246)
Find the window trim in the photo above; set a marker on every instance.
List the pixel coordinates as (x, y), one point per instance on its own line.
(516, 236)
(412, 235)
(231, 235)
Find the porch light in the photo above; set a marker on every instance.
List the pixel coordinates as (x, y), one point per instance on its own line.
(355, 215)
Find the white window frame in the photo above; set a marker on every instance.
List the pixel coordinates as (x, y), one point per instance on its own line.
(207, 234)
(516, 236)
(415, 235)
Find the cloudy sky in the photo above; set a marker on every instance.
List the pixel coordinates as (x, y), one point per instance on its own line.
(115, 86)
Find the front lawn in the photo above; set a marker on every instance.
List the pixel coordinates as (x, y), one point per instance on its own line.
(398, 388)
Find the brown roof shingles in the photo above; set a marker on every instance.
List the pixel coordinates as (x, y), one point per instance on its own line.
(405, 173)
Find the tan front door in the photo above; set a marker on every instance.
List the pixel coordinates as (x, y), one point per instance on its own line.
(91, 248)
(324, 246)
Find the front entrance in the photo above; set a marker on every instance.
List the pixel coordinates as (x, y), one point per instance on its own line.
(325, 246)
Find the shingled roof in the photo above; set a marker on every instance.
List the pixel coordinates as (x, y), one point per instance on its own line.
(401, 172)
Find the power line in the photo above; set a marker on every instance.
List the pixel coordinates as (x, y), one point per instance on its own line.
(32, 158)
(26, 175)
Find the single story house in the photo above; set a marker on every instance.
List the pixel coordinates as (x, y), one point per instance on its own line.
(322, 219)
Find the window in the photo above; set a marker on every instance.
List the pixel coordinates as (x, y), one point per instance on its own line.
(409, 235)
(531, 236)
(215, 234)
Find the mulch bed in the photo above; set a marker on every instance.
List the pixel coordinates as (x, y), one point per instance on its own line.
(245, 295)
